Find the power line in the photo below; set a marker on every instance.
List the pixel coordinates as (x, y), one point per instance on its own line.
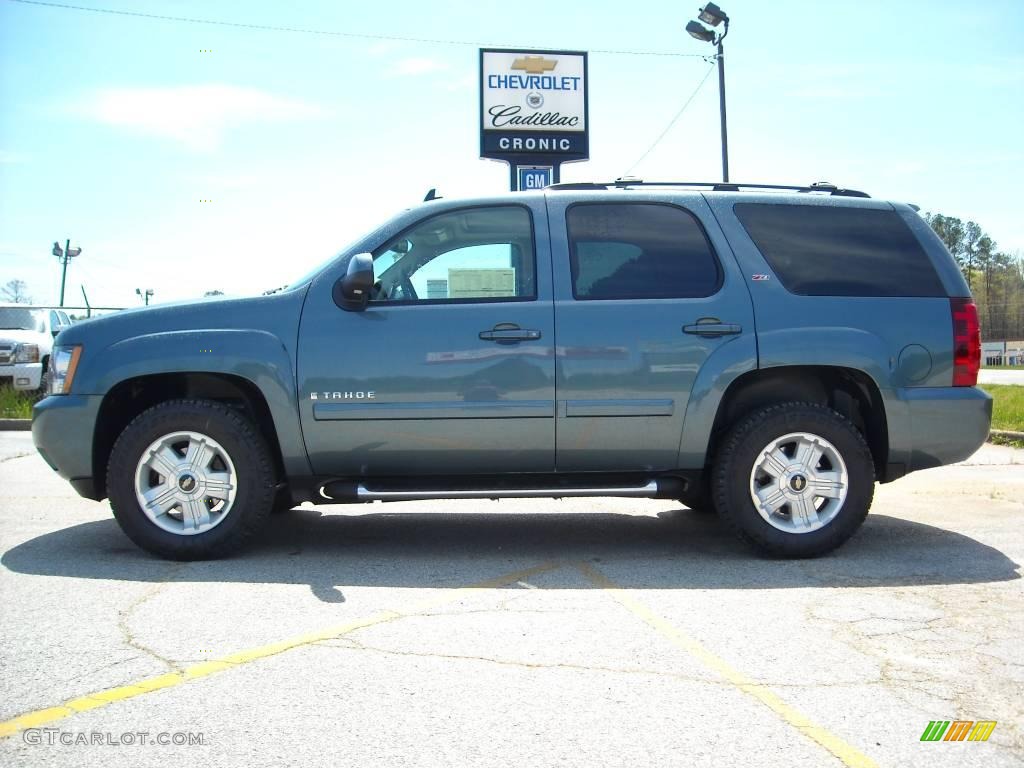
(327, 32)
(673, 120)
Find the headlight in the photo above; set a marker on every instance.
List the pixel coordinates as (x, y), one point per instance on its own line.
(26, 353)
(63, 362)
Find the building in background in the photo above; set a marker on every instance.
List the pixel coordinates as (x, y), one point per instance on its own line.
(1002, 353)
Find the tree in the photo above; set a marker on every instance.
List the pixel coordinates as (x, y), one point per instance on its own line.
(214, 293)
(15, 292)
(995, 279)
(951, 232)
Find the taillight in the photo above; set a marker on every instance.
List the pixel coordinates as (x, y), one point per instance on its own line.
(966, 342)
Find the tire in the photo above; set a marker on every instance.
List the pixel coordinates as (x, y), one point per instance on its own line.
(202, 447)
(771, 454)
(44, 381)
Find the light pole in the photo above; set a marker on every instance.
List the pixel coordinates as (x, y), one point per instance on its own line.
(144, 296)
(64, 255)
(713, 15)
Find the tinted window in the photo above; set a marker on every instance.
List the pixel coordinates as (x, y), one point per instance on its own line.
(473, 254)
(639, 251)
(831, 251)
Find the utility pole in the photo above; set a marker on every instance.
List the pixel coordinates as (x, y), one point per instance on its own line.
(721, 106)
(64, 255)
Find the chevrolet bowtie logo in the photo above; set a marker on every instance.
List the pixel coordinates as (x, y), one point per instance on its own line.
(534, 65)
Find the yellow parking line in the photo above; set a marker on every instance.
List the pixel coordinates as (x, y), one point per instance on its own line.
(204, 669)
(848, 754)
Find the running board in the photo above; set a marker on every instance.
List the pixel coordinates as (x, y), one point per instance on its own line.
(341, 491)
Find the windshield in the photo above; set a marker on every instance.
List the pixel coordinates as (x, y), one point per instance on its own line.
(18, 319)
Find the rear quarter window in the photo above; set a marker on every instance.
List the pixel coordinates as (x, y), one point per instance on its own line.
(834, 251)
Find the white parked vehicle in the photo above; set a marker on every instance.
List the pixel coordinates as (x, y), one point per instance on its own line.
(26, 337)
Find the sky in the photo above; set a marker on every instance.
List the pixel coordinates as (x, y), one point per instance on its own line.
(188, 157)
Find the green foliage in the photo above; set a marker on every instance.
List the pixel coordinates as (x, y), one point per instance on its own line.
(15, 404)
(1008, 408)
(996, 279)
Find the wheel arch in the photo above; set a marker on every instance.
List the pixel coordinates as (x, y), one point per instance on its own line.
(849, 391)
(131, 397)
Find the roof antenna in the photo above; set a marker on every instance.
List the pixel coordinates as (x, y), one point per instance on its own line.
(431, 195)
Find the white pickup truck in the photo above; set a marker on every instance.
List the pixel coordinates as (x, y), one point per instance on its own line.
(26, 337)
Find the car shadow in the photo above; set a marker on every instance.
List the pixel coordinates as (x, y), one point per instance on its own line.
(678, 549)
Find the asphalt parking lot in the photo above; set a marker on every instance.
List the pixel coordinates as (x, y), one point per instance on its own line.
(599, 632)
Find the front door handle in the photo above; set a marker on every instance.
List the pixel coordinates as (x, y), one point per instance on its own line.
(712, 327)
(509, 333)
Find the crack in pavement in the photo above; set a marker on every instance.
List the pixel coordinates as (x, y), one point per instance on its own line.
(16, 456)
(351, 644)
(125, 616)
(932, 666)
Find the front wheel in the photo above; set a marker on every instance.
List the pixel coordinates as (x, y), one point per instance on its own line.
(794, 480)
(190, 480)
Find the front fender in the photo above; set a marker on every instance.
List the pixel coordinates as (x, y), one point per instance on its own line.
(256, 356)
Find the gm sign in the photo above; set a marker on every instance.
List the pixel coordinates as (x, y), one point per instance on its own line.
(533, 107)
(534, 177)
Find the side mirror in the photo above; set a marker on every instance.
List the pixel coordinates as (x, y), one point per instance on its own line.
(352, 292)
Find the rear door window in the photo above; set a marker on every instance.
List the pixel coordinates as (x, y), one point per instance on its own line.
(836, 251)
(639, 251)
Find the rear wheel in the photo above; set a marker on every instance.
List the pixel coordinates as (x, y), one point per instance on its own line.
(794, 480)
(190, 480)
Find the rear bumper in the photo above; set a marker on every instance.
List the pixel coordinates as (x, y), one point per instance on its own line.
(62, 430)
(946, 424)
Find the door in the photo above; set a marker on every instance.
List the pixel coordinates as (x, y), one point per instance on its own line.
(450, 368)
(646, 294)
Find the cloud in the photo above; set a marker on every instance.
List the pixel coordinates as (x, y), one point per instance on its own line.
(416, 66)
(195, 115)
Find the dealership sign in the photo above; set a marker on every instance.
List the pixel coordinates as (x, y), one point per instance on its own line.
(533, 106)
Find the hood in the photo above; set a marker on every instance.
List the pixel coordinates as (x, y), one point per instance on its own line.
(23, 337)
(275, 313)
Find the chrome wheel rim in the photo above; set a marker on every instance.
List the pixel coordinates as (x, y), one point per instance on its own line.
(799, 482)
(185, 483)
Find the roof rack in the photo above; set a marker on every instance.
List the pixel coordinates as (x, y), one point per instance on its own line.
(714, 186)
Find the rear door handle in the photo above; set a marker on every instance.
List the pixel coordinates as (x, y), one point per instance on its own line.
(509, 333)
(711, 327)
